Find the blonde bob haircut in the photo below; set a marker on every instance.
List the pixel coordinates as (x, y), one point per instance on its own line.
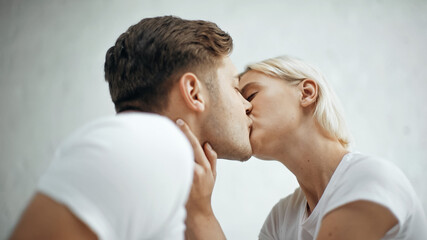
(327, 111)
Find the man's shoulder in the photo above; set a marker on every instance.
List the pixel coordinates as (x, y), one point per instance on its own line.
(134, 121)
(149, 123)
(128, 136)
(132, 126)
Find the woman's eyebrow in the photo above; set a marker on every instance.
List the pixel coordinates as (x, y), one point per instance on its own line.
(236, 79)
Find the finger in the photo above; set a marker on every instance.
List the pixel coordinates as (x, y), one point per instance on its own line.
(211, 156)
(198, 172)
(199, 154)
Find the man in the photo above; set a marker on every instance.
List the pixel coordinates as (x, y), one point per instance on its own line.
(129, 176)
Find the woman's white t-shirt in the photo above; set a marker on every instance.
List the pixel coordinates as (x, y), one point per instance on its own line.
(126, 177)
(357, 177)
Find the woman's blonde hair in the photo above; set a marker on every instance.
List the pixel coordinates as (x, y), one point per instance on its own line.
(327, 112)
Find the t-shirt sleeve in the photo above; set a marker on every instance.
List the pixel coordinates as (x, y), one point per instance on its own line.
(377, 181)
(124, 180)
(283, 219)
(271, 224)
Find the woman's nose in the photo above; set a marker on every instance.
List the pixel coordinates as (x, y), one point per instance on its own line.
(248, 107)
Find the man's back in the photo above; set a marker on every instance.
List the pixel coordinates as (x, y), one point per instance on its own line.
(124, 177)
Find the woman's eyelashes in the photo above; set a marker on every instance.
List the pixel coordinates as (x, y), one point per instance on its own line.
(251, 96)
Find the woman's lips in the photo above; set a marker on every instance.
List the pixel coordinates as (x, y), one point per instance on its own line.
(250, 127)
(251, 123)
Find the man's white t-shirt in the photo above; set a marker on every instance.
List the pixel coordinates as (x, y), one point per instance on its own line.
(357, 177)
(126, 176)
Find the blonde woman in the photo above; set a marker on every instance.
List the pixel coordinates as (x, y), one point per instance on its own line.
(342, 194)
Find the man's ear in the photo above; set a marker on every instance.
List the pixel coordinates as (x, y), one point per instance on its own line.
(190, 88)
(309, 92)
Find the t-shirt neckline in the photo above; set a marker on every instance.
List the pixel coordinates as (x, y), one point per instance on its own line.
(310, 221)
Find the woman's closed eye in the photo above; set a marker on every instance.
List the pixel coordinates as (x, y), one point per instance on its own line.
(251, 96)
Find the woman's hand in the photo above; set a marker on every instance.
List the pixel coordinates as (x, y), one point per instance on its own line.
(199, 200)
(201, 222)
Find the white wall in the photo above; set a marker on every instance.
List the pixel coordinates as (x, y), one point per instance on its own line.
(51, 71)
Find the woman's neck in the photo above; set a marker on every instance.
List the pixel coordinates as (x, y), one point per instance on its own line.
(313, 161)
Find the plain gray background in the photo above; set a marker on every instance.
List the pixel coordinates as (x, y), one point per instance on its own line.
(372, 52)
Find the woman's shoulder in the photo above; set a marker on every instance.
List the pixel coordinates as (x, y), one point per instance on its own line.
(362, 167)
(284, 215)
(290, 205)
(364, 177)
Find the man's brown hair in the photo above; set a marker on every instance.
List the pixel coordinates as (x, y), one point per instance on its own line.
(150, 56)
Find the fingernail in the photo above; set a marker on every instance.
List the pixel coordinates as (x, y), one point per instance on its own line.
(209, 146)
(180, 122)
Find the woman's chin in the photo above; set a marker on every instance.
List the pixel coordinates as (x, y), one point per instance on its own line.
(261, 151)
(263, 157)
(258, 153)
